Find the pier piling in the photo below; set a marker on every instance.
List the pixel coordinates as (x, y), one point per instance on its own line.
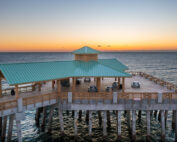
(118, 125)
(163, 125)
(43, 119)
(148, 121)
(10, 127)
(60, 113)
(100, 118)
(3, 135)
(90, 123)
(50, 119)
(133, 125)
(75, 122)
(104, 123)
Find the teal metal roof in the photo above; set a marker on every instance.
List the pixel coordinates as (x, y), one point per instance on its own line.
(114, 64)
(19, 73)
(86, 50)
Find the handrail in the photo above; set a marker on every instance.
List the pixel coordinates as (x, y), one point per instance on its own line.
(156, 80)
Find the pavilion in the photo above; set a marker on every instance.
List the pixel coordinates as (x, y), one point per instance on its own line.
(86, 64)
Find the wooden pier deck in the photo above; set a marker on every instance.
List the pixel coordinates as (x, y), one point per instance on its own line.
(154, 94)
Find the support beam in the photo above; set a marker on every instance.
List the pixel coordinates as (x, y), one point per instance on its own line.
(98, 84)
(59, 88)
(60, 112)
(10, 127)
(148, 121)
(50, 119)
(100, 118)
(43, 119)
(75, 122)
(134, 125)
(118, 82)
(108, 119)
(3, 135)
(73, 84)
(39, 86)
(163, 125)
(119, 125)
(104, 123)
(123, 84)
(16, 92)
(53, 84)
(176, 124)
(19, 132)
(90, 123)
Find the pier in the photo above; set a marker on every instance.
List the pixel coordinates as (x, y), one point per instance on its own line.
(153, 95)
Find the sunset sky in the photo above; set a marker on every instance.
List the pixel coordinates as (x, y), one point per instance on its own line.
(106, 25)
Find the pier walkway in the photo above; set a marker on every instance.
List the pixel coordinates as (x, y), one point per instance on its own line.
(154, 94)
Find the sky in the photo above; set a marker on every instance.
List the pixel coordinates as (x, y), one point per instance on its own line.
(106, 25)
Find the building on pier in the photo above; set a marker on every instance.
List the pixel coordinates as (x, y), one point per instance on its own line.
(48, 88)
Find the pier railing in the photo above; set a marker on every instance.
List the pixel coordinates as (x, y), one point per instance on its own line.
(159, 81)
(134, 96)
(21, 89)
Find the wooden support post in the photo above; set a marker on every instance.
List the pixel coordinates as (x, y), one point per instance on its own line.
(16, 92)
(39, 86)
(37, 116)
(19, 132)
(166, 117)
(0, 86)
(43, 119)
(0, 126)
(104, 123)
(59, 88)
(134, 125)
(163, 125)
(108, 119)
(129, 119)
(50, 119)
(173, 119)
(87, 117)
(119, 125)
(176, 124)
(53, 84)
(3, 135)
(159, 116)
(148, 121)
(123, 84)
(118, 82)
(75, 122)
(60, 112)
(98, 84)
(80, 115)
(90, 123)
(139, 115)
(73, 84)
(11, 120)
(155, 113)
(100, 118)
(115, 78)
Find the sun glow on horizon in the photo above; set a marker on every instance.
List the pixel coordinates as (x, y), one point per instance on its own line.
(44, 26)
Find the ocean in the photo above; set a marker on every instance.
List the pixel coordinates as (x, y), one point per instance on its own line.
(159, 64)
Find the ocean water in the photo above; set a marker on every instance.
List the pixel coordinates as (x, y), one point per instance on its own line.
(159, 64)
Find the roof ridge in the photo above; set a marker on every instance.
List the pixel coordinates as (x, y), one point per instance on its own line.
(35, 62)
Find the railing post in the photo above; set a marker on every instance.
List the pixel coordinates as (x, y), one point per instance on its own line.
(115, 97)
(69, 97)
(160, 97)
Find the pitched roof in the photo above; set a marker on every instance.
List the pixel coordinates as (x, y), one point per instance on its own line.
(19, 73)
(86, 50)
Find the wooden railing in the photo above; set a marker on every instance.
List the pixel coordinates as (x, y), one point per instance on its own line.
(156, 80)
(86, 96)
(92, 96)
(21, 90)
